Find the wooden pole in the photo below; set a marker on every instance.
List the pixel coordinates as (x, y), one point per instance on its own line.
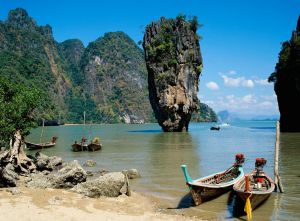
(277, 181)
(42, 133)
(84, 123)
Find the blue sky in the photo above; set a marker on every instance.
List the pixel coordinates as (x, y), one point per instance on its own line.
(240, 45)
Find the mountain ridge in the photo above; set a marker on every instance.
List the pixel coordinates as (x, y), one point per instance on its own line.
(107, 78)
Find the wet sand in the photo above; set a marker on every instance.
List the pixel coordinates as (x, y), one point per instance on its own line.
(52, 204)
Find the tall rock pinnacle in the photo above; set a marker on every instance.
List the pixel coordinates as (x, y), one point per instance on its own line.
(174, 64)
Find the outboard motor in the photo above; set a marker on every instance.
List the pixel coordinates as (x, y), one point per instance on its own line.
(259, 165)
(239, 159)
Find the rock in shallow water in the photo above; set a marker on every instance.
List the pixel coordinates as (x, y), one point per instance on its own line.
(132, 173)
(44, 162)
(90, 163)
(68, 176)
(174, 64)
(108, 185)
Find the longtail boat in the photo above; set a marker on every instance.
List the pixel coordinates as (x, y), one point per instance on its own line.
(255, 188)
(82, 146)
(211, 186)
(94, 145)
(36, 146)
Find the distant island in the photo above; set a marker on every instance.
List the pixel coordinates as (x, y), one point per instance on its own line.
(107, 79)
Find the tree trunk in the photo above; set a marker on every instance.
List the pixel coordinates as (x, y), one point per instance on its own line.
(14, 162)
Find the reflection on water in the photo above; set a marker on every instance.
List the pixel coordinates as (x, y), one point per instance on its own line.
(287, 204)
(158, 157)
(167, 151)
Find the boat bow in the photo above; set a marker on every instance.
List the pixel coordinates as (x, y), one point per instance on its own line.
(188, 179)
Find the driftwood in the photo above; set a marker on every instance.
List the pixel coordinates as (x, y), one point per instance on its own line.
(277, 179)
(14, 162)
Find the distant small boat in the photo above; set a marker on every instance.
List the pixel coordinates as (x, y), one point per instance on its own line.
(224, 125)
(36, 146)
(94, 145)
(215, 128)
(257, 186)
(83, 146)
(211, 186)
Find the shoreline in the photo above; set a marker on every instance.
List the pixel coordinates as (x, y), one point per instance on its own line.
(58, 204)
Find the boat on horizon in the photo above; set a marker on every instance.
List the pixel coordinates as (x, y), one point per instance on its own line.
(224, 125)
(255, 188)
(215, 128)
(212, 186)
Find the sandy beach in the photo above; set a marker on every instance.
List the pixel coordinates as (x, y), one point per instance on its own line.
(51, 204)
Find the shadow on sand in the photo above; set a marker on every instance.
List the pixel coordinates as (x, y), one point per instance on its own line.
(235, 206)
(185, 202)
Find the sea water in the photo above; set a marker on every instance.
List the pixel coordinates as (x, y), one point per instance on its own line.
(158, 156)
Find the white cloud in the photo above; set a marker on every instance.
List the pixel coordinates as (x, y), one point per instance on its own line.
(231, 72)
(247, 83)
(249, 99)
(262, 82)
(209, 103)
(237, 82)
(269, 97)
(248, 104)
(212, 86)
(266, 104)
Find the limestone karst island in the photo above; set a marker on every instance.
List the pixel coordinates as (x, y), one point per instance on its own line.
(161, 110)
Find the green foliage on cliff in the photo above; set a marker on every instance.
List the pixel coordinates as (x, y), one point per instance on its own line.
(115, 68)
(27, 55)
(107, 79)
(162, 48)
(286, 78)
(205, 114)
(288, 66)
(71, 52)
(19, 107)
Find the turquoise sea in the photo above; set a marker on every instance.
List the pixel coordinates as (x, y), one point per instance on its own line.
(158, 156)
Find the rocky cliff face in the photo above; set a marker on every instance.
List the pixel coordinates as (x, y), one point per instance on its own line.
(204, 114)
(71, 52)
(116, 78)
(286, 80)
(174, 64)
(29, 55)
(107, 79)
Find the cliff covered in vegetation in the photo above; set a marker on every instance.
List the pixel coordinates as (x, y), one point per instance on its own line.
(107, 79)
(174, 64)
(286, 80)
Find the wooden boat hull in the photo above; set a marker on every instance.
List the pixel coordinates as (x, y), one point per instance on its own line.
(79, 147)
(202, 192)
(32, 146)
(257, 197)
(94, 147)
